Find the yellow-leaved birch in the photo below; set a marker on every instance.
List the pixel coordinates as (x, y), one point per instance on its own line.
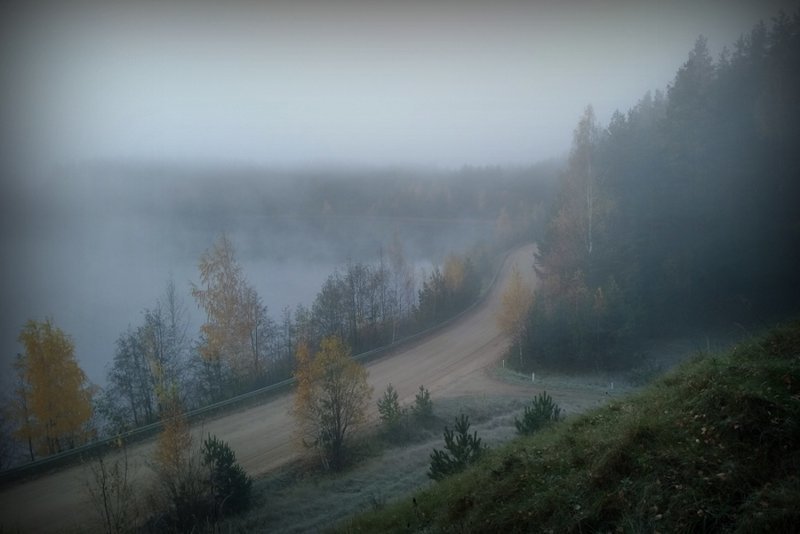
(331, 399)
(233, 342)
(56, 394)
(513, 315)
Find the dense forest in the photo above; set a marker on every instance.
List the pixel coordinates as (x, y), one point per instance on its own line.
(682, 212)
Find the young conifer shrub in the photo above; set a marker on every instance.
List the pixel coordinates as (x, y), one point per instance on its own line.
(423, 405)
(389, 408)
(461, 450)
(542, 411)
(229, 486)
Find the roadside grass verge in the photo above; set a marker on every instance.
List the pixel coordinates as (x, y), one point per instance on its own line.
(713, 446)
(600, 382)
(385, 467)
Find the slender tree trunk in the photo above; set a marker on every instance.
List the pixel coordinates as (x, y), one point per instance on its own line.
(590, 205)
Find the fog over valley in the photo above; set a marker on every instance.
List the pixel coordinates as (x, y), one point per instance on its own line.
(286, 85)
(94, 256)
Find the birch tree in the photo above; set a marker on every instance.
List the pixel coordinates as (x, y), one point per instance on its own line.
(179, 487)
(513, 315)
(402, 285)
(331, 399)
(233, 343)
(54, 393)
(149, 357)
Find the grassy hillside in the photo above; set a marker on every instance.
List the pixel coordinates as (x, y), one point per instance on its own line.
(712, 447)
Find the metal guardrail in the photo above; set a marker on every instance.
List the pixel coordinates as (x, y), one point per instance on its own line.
(95, 448)
(90, 450)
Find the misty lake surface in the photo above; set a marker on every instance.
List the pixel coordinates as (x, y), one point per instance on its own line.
(94, 269)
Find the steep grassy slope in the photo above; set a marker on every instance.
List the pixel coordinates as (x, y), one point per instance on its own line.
(712, 447)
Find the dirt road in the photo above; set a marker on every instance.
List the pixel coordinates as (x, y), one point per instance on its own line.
(450, 363)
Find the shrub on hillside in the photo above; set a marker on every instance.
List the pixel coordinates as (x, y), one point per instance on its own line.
(193, 490)
(461, 450)
(111, 489)
(229, 486)
(542, 411)
(389, 408)
(423, 405)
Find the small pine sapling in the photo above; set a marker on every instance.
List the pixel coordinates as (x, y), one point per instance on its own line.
(423, 405)
(229, 485)
(389, 408)
(542, 411)
(461, 450)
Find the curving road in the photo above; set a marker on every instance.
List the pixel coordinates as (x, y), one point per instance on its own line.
(449, 363)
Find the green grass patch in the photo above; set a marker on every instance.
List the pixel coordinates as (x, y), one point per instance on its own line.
(711, 447)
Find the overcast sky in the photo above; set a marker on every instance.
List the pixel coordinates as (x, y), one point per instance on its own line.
(439, 83)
